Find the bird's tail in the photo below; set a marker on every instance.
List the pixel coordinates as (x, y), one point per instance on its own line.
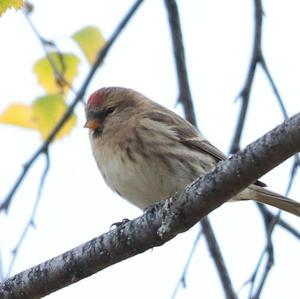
(271, 198)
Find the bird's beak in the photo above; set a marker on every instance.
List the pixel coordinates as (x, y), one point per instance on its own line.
(92, 124)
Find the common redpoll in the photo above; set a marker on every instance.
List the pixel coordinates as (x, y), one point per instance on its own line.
(146, 152)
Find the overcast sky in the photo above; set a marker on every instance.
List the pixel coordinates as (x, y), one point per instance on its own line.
(76, 205)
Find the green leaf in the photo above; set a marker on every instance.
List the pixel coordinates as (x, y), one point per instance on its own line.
(18, 115)
(90, 40)
(48, 110)
(6, 4)
(66, 66)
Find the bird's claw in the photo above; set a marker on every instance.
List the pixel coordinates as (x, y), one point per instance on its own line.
(119, 223)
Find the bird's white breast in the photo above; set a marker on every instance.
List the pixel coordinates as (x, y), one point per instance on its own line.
(141, 181)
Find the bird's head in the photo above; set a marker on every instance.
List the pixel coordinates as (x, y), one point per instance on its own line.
(111, 103)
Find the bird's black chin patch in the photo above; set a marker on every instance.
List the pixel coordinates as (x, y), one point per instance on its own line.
(97, 133)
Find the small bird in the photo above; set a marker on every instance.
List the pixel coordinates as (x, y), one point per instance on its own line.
(145, 152)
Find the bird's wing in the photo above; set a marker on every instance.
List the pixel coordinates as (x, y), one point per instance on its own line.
(184, 132)
(204, 146)
(192, 138)
(188, 135)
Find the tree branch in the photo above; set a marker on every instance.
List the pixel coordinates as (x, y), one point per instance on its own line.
(30, 223)
(185, 97)
(269, 249)
(269, 217)
(182, 279)
(162, 222)
(246, 90)
(293, 172)
(47, 45)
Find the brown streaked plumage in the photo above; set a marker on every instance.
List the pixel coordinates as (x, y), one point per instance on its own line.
(146, 152)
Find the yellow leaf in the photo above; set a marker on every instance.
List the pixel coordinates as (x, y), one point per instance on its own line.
(66, 66)
(90, 40)
(6, 4)
(19, 115)
(48, 110)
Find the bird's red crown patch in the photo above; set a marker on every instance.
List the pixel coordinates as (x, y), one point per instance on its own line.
(97, 97)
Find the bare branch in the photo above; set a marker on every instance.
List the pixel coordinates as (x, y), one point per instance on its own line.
(182, 279)
(274, 87)
(30, 222)
(289, 228)
(163, 222)
(246, 90)
(185, 99)
(270, 221)
(218, 259)
(46, 45)
(280, 221)
(268, 252)
(293, 173)
(78, 97)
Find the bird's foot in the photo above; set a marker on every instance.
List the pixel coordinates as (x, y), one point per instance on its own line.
(119, 223)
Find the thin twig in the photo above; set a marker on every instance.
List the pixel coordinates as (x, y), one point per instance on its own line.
(246, 90)
(267, 269)
(268, 251)
(78, 97)
(293, 172)
(272, 220)
(281, 222)
(46, 44)
(283, 110)
(186, 100)
(182, 279)
(185, 97)
(274, 87)
(289, 228)
(30, 222)
(218, 258)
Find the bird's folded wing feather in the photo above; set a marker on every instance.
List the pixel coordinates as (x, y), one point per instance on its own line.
(204, 146)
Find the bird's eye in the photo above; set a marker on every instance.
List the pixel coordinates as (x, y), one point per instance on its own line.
(110, 110)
